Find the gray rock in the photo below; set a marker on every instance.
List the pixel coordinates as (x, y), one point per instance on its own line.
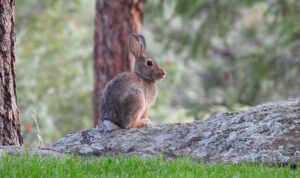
(268, 133)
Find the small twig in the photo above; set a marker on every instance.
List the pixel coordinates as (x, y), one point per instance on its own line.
(39, 135)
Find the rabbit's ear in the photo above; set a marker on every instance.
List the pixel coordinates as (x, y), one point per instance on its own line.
(142, 43)
(135, 45)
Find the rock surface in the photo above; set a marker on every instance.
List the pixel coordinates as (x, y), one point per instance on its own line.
(268, 133)
(14, 150)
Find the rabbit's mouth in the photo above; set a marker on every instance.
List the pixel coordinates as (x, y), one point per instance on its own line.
(160, 75)
(155, 76)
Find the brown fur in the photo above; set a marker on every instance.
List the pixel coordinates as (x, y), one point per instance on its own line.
(127, 98)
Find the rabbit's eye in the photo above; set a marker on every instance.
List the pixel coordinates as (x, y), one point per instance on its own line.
(149, 63)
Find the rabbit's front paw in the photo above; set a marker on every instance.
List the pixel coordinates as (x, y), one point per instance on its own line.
(141, 123)
(148, 122)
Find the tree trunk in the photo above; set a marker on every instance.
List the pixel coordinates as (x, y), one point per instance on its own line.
(9, 114)
(115, 20)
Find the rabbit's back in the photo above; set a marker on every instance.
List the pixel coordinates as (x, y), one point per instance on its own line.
(116, 87)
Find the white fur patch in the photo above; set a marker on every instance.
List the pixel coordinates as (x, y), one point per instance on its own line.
(109, 126)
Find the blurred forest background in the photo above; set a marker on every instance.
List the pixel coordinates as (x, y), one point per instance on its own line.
(219, 55)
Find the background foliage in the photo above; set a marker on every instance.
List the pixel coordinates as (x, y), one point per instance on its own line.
(54, 66)
(219, 56)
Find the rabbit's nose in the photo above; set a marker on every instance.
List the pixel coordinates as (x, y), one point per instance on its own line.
(163, 73)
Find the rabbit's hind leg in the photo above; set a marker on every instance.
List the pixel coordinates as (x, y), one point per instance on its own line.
(133, 106)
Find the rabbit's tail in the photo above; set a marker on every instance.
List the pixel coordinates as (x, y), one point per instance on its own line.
(109, 126)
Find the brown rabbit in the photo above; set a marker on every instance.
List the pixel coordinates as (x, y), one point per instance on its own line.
(126, 98)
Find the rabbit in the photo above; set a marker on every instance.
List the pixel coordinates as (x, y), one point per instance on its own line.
(126, 99)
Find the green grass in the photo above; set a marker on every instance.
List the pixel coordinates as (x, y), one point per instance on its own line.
(34, 166)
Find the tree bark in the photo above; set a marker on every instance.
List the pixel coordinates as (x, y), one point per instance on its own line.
(115, 20)
(9, 114)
